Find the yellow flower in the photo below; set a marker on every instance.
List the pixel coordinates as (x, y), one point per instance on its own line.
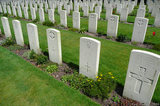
(112, 77)
(97, 77)
(110, 73)
(101, 75)
(99, 80)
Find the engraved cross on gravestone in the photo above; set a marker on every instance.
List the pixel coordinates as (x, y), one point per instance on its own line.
(140, 77)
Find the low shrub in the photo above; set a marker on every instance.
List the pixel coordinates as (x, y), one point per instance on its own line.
(48, 23)
(26, 54)
(82, 30)
(32, 55)
(156, 47)
(52, 68)
(122, 38)
(15, 47)
(8, 41)
(100, 88)
(36, 20)
(41, 59)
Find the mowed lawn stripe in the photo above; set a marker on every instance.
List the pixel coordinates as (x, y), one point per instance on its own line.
(23, 84)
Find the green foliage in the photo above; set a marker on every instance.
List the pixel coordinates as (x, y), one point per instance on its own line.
(32, 55)
(156, 47)
(52, 68)
(82, 30)
(48, 23)
(35, 21)
(134, 13)
(27, 54)
(6, 14)
(122, 38)
(41, 59)
(8, 41)
(134, 43)
(15, 47)
(116, 99)
(99, 88)
(109, 37)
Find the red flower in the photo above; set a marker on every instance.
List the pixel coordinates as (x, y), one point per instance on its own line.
(154, 33)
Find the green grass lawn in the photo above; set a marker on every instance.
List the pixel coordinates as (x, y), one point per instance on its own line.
(114, 55)
(22, 84)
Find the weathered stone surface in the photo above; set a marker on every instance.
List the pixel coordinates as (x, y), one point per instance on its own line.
(142, 76)
(6, 27)
(33, 37)
(140, 28)
(54, 45)
(89, 57)
(18, 32)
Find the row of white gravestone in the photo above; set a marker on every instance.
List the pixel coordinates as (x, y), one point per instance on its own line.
(139, 30)
(143, 70)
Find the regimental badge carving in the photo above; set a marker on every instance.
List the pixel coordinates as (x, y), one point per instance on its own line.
(51, 35)
(112, 19)
(140, 22)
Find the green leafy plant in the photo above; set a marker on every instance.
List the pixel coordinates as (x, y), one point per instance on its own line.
(8, 41)
(122, 38)
(109, 37)
(41, 59)
(52, 68)
(134, 43)
(36, 20)
(82, 30)
(116, 99)
(99, 88)
(32, 54)
(15, 47)
(48, 23)
(26, 54)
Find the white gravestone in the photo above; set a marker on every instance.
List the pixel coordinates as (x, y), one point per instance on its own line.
(109, 10)
(140, 28)
(54, 45)
(141, 12)
(89, 57)
(33, 13)
(18, 32)
(6, 27)
(51, 15)
(33, 37)
(124, 15)
(9, 10)
(63, 18)
(92, 27)
(19, 12)
(112, 27)
(142, 76)
(76, 20)
(85, 10)
(26, 13)
(98, 11)
(14, 11)
(157, 19)
(41, 15)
